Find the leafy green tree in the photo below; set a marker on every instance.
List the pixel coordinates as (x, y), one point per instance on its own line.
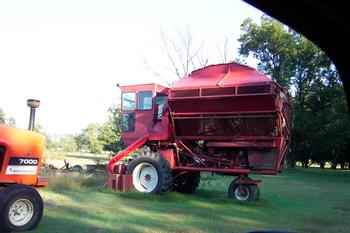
(102, 137)
(92, 134)
(81, 141)
(68, 143)
(111, 131)
(271, 45)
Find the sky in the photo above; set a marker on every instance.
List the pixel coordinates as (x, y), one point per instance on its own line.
(70, 54)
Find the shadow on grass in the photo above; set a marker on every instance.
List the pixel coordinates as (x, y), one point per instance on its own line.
(135, 212)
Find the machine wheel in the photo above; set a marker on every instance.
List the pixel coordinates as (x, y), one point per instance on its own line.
(243, 192)
(187, 183)
(21, 208)
(150, 173)
(77, 168)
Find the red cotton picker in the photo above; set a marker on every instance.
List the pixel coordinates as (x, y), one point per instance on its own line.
(226, 119)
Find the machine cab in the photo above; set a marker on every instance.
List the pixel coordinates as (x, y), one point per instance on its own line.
(142, 107)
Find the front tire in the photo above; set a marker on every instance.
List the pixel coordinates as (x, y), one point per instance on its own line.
(150, 173)
(21, 208)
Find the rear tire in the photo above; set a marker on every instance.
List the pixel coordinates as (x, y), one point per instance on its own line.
(150, 172)
(21, 208)
(187, 183)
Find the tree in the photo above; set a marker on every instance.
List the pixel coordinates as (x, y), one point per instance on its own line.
(183, 55)
(111, 131)
(68, 143)
(102, 137)
(271, 45)
(2, 117)
(10, 121)
(91, 134)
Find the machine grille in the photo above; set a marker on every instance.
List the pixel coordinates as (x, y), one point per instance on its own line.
(218, 91)
(261, 89)
(185, 93)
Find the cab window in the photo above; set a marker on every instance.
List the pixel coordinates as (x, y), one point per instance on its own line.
(144, 100)
(128, 101)
(128, 122)
(160, 103)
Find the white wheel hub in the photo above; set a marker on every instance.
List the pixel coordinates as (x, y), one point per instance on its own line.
(145, 177)
(21, 212)
(242, 193)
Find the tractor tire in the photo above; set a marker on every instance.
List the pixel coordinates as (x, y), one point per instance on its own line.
(187, 183)
(243, 192)
(150, 172)
(21, 208)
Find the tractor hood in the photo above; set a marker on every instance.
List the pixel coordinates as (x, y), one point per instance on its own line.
(21, 142)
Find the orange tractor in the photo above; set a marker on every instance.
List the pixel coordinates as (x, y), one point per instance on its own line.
(21, 206)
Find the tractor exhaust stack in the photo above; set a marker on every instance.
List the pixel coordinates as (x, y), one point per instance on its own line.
(33, 104)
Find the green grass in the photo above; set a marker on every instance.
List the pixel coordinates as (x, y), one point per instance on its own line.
(297, 200)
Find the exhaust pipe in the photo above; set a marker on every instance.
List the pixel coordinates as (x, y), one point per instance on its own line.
(33, 104)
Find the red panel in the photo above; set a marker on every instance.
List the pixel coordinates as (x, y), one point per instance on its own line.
(121, 183)
(230, 74)
(224, 104)
(143, 123)
(218, 91)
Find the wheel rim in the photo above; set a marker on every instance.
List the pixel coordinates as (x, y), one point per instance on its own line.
(242, 193)
(145, 177)
(21, 212)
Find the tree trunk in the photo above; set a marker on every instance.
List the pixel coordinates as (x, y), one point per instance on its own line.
(305, 164)
(322, 163)
(342, 165)
(334, 165)
(291, 162)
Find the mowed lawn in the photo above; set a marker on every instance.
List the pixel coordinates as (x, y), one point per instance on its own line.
(300, 200)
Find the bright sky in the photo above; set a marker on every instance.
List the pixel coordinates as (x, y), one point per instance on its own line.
(71, 53)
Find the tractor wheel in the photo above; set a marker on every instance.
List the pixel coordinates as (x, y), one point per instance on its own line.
(243, 192)
(150, 173)
(187, 183)
(21, 208)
